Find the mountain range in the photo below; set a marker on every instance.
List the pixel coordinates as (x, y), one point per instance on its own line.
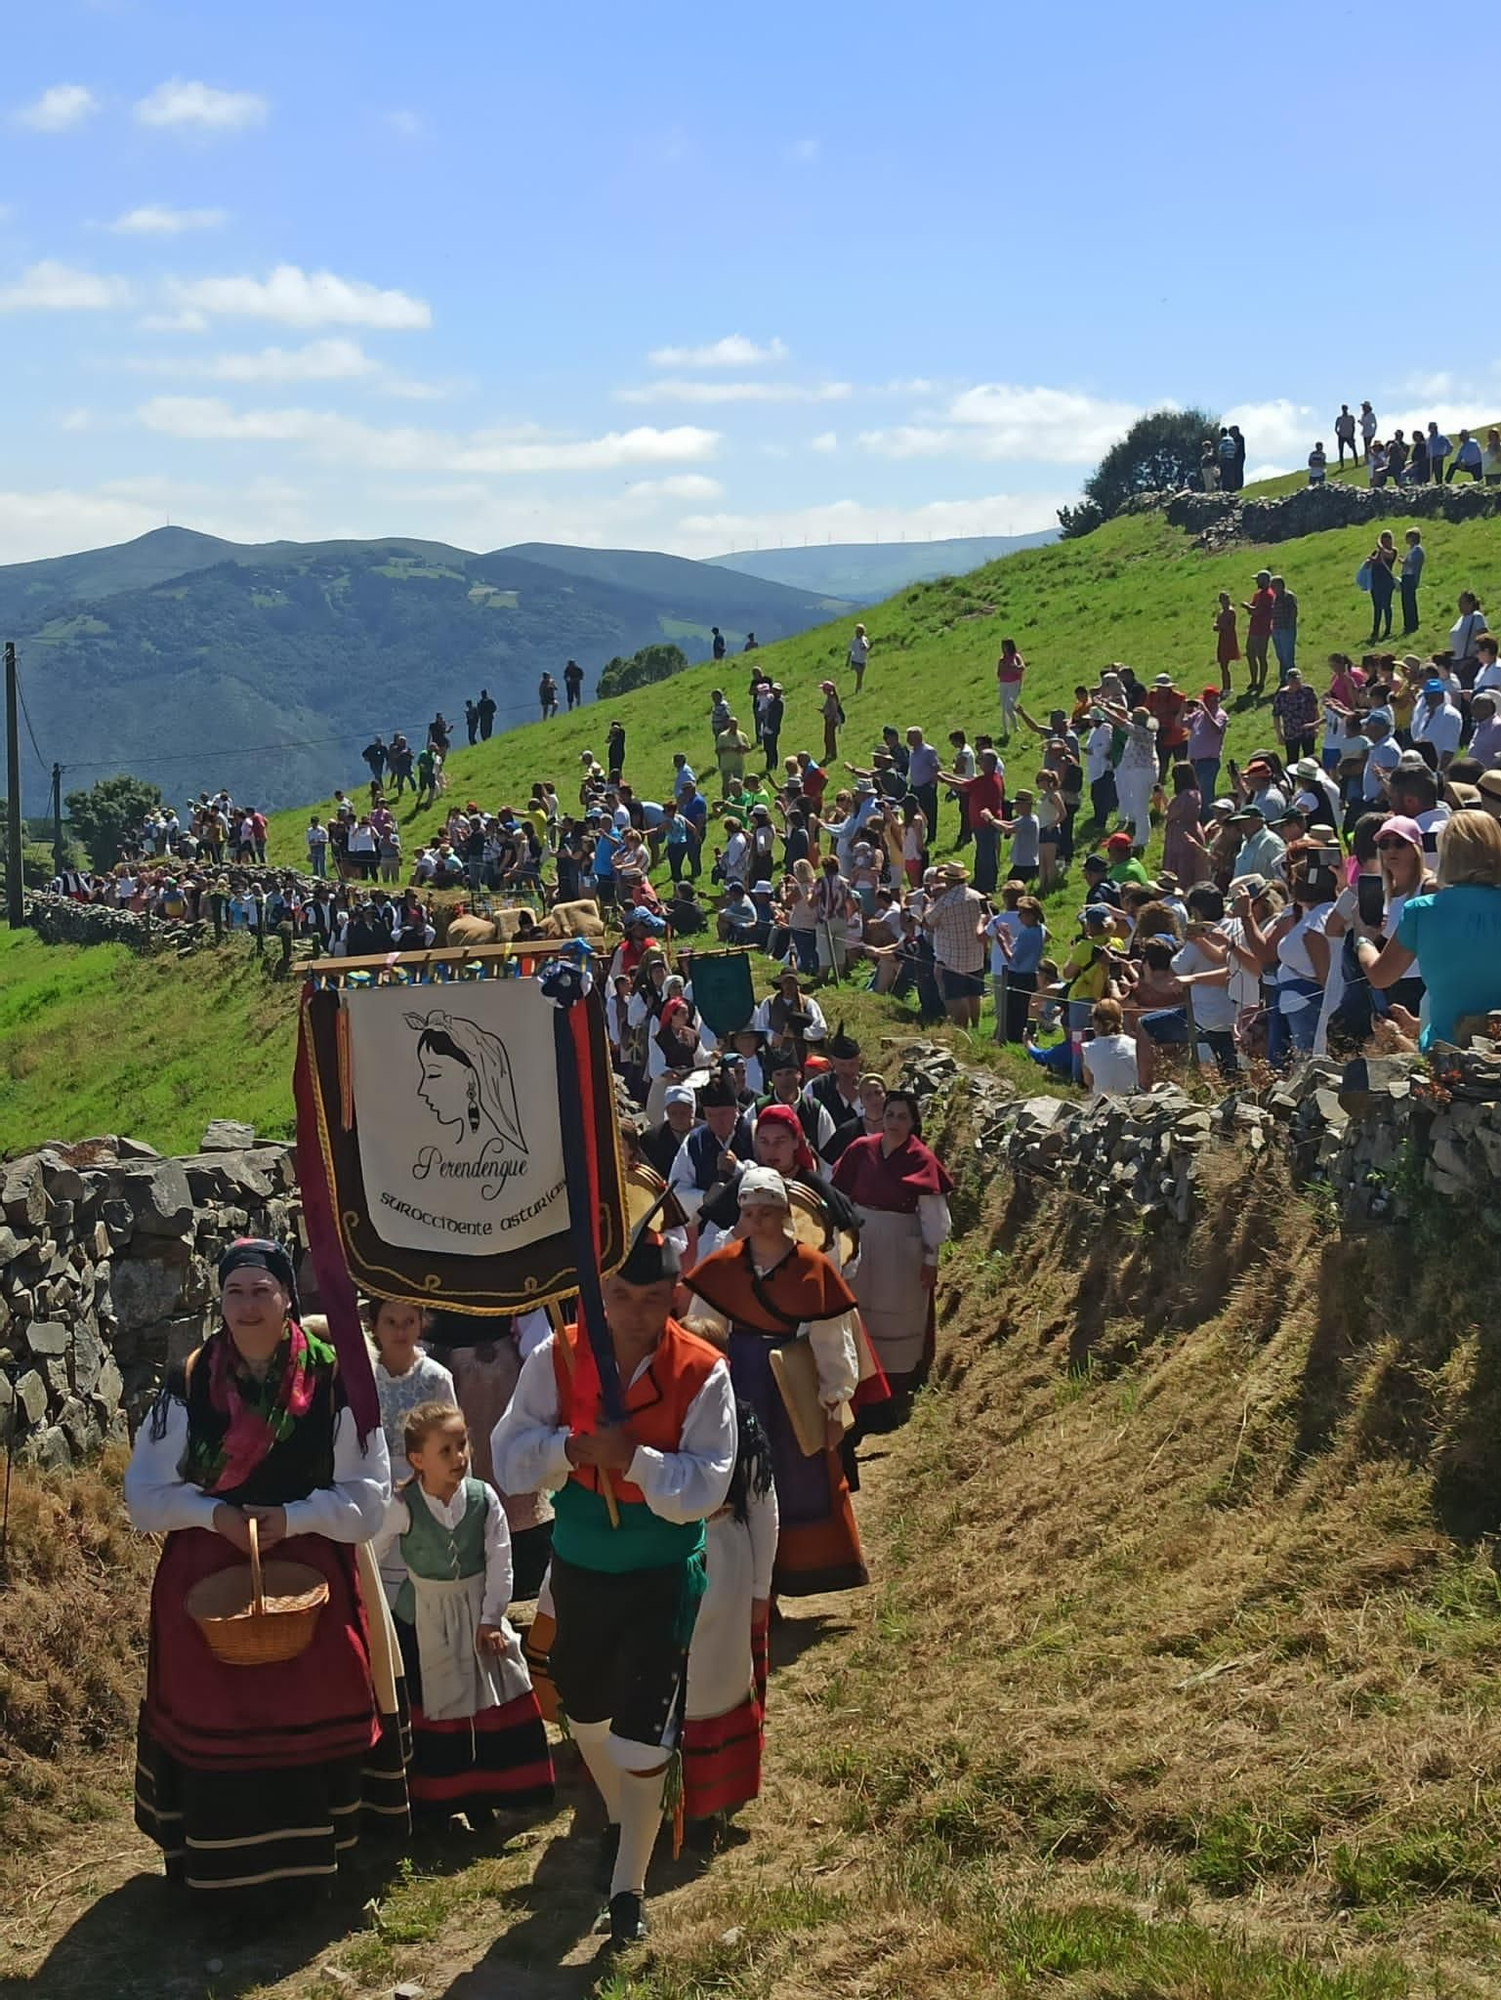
(196, 662)
(865, 572)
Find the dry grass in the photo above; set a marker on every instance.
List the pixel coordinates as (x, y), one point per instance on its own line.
(72, 1650)
(1179, 1675)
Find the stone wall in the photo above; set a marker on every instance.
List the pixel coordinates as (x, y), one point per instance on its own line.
(58, 920)
(1220, 519)
(1381, 1136)
(107, 1254)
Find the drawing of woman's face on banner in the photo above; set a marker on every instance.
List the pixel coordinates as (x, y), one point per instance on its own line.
(458, 1119)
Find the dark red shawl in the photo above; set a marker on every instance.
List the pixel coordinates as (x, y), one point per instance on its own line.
(873, 1179)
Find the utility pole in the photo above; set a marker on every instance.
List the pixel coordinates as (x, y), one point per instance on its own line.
(57, 818)
(14, 901)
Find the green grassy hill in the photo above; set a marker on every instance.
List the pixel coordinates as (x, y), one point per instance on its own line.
(1137, 590)
(95, 1040)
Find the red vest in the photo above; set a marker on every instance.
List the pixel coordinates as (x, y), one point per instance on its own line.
(656, 1403)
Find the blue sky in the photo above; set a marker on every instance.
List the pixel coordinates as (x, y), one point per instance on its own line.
(691, 278)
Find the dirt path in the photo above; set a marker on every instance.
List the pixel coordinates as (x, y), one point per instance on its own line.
(507, 1913)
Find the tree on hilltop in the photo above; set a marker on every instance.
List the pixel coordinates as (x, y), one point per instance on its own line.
(650, 663)
(1159, 454)
(108, 813)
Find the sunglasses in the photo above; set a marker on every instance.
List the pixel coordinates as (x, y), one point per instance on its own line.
(1392, 840)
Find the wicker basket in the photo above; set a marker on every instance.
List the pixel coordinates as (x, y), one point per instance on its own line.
(260, 1615)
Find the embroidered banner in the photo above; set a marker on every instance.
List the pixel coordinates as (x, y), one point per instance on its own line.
(457, 1093)
(437, 1117)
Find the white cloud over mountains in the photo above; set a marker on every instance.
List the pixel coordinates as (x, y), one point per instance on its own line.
(1000, 420)
(861, 521)
(347, 441)
(58, 109)
(199, 107)
(734, 351)
(156, 221)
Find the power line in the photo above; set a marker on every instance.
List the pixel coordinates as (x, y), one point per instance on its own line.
(26, 713)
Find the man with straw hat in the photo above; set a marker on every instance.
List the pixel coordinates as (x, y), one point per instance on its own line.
(953, 920)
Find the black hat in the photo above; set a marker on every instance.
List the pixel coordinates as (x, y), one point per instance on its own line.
(785, 1058)
(651, 1260)
(841, 1047)
(718, 1092)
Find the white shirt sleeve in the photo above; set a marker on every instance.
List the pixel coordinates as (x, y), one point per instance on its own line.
(392, 1528)
(762, 1521)
(531, 1330)
(838, 1362)
(933, 1220)
(157, 1498)
(680, 1180)
(498, 1566)
(527, 1446)
(353, 1508)
(690, 1483)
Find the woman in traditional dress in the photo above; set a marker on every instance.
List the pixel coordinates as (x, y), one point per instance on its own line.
(252, 1775)
(770, 1293)
(900, 1190)
(724, 1716)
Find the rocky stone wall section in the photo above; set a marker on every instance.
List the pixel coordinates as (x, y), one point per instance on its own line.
(1219, 520)
(58, 920)
(1381, 1135)
(107, 1254)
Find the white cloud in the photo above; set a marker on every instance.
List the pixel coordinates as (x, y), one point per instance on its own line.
(77, 420)
(998, 420)
(332, 360)
(734, 351)
(405, 124)
(677, 486)
(304, 298)
(855, 521)
(152, 221)
(825, 441)
(346, 441)
(54, 287)
(804, 152)
(674, 391)
(59, 109)
(187, 321)
(1281, 431)
(179, 103)
(59, 520)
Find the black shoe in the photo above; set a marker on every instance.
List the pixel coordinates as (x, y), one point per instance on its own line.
(625, 1920)
(604, 1866)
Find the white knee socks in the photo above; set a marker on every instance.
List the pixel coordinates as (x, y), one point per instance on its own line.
(592, 1739)
(640, 1817)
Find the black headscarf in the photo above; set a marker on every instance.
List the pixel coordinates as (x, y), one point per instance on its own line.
(258, 1253)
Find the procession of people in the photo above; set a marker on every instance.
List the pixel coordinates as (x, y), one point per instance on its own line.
(656, 1550)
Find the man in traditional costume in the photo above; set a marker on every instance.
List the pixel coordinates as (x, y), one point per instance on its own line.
(837, 1088)
(712, 1151)
(625, 1598)
(770, 1294)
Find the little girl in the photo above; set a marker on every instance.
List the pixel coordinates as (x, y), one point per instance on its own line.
(479, 1742)
(404, 1377)
(725, 1714)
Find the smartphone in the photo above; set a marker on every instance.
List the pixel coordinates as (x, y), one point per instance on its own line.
(1370, 898)
(1327, 857)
